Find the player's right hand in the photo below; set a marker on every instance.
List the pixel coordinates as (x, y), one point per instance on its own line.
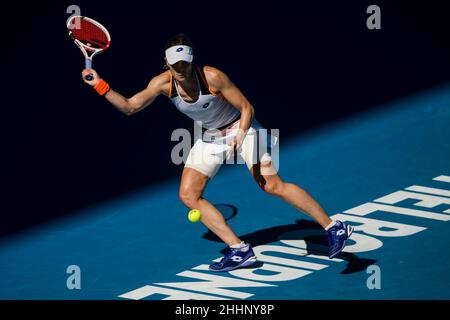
(92, 82)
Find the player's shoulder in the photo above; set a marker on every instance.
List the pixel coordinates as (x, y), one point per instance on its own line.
(161, 82)
(161, 79)
(214, 75)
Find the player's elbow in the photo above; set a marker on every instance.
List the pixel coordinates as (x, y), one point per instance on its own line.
(131, 108)
(251, 111)
(129, 111)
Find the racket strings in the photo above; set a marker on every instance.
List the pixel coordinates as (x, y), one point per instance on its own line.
(91, 35)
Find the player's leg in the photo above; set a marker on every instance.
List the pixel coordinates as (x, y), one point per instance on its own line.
(258, 158)
(200, 167)
(269, 181)
(272, 184)
(192, 185)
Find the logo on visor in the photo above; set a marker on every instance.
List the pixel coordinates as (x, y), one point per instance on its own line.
(179, 49)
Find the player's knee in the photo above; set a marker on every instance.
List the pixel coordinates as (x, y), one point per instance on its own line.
(273, 187)
(189, 198)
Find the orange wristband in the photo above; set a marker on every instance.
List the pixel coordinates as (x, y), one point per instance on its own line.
(102, 87)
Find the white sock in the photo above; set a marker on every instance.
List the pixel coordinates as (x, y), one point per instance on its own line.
(238, 245)
(332, 223)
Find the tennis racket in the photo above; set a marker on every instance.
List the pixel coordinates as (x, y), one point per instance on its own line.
(90, 36)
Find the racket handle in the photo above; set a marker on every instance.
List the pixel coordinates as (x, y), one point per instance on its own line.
(90, 76)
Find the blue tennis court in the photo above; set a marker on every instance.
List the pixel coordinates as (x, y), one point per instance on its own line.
(386, 171)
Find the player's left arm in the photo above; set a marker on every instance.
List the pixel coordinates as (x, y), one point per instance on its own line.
(219, 82)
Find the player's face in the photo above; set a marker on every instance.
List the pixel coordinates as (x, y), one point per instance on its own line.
(181, 69)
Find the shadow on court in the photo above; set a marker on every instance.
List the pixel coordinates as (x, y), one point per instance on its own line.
(316, 243)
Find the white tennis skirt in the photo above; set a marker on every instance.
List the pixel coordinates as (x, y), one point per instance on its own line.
(209, 152)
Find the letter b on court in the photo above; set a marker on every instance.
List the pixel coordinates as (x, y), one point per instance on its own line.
(74, 280)
(374, 280)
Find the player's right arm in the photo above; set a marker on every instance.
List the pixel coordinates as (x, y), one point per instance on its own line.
(137, 102)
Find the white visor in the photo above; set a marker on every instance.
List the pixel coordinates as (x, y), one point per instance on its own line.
(179, 53)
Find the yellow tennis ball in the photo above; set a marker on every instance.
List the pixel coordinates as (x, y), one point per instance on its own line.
(194, 215)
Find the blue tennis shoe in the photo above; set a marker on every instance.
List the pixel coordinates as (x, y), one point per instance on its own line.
(235, 258)
(337, 237)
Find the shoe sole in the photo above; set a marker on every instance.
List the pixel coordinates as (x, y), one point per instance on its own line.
(349, 233)
(250, 261)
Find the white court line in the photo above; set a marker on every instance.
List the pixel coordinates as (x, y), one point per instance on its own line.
(439, 192)
(442, 178)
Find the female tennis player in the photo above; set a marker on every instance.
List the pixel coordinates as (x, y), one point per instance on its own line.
(208, 96)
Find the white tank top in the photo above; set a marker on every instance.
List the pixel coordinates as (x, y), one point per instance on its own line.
(213, 110)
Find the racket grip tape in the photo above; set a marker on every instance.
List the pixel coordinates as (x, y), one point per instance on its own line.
(90, 76)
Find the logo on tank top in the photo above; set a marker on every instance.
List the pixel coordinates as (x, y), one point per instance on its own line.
(206, 105)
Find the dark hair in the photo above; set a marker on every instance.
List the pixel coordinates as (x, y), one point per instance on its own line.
(179, 39)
